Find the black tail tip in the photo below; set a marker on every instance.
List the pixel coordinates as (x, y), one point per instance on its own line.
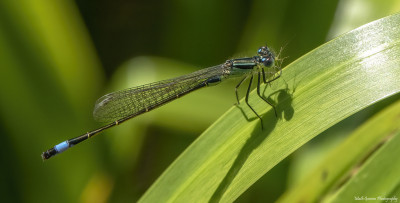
(48, 154)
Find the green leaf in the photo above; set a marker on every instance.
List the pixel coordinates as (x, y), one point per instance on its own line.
(315, 92)
(49, 78)
(349, 166)
(379, 176)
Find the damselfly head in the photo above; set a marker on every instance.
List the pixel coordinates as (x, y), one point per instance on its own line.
(266, 56)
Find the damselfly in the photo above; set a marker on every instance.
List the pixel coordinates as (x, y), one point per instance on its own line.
(117, 107)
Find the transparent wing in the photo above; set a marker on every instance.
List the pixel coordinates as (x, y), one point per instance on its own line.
(137, 100)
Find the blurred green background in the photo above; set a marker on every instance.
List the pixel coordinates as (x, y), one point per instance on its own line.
(58, 57)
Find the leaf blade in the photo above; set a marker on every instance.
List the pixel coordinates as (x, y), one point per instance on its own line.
(329, 84)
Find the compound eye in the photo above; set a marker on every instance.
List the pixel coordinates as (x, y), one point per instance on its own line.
(262, 51)
(267, 62)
